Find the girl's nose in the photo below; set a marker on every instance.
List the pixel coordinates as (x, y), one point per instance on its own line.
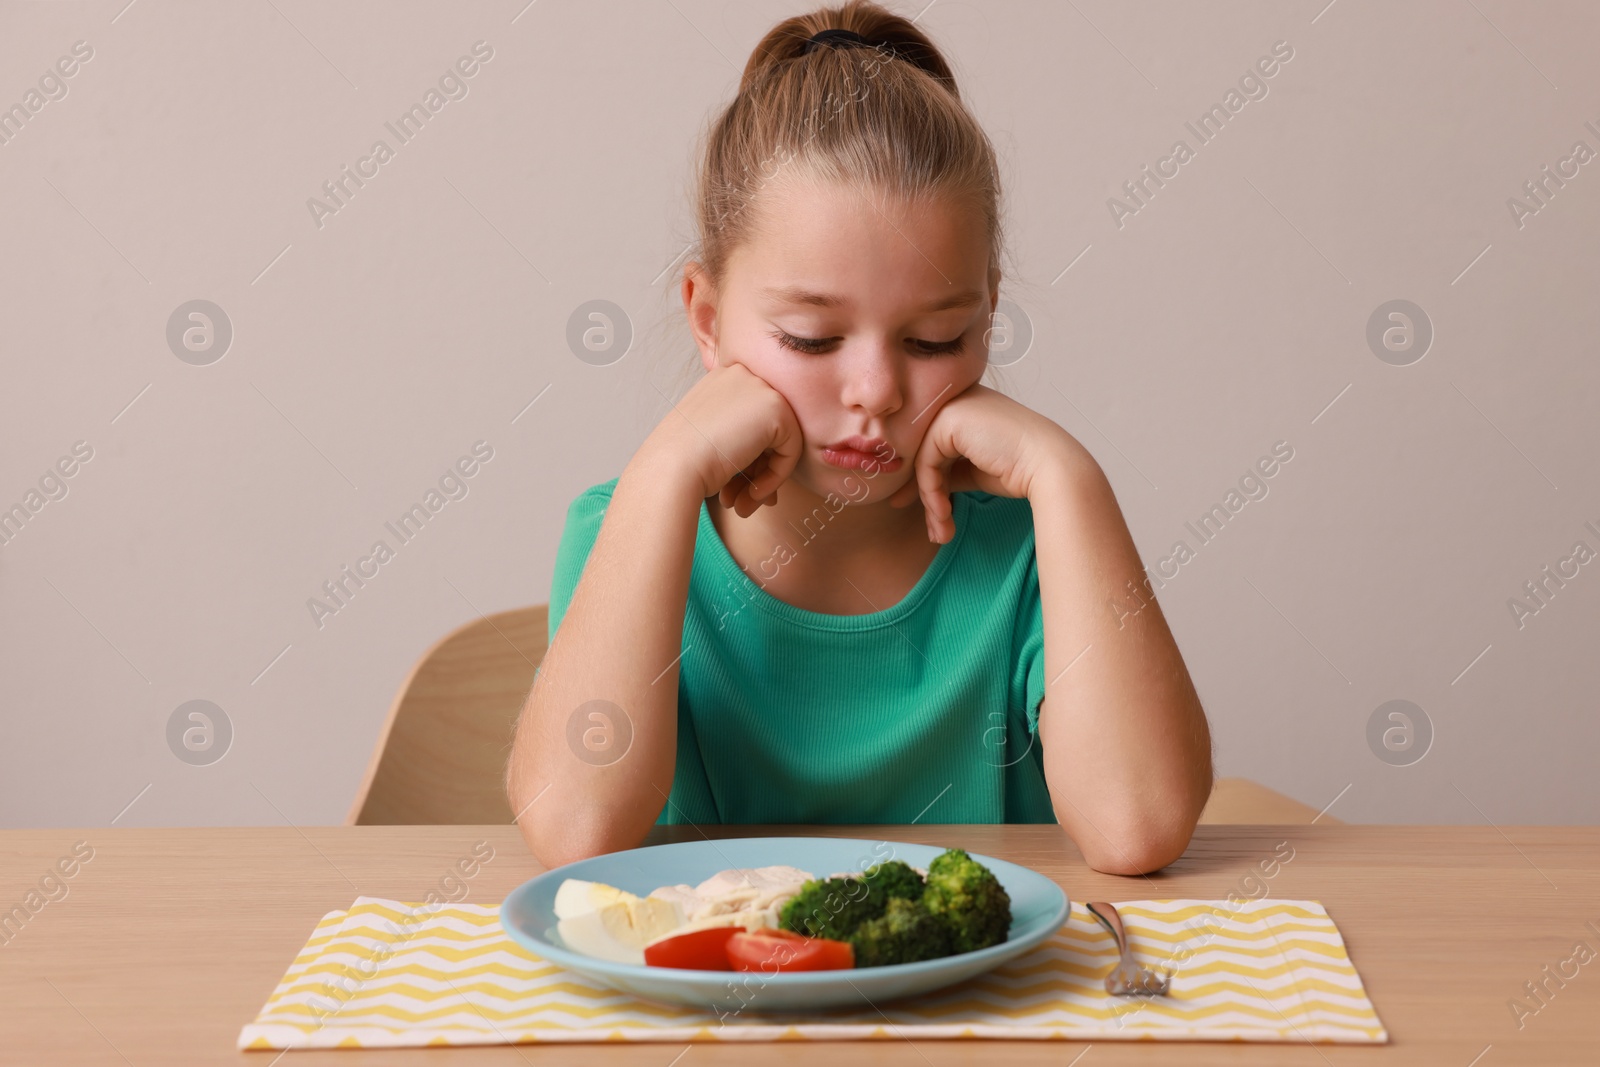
(872, 374)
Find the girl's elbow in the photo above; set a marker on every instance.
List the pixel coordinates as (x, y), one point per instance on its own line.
(552, 856)
(558, 837)
(1134, 857)
(1136, 846)
(554, 850)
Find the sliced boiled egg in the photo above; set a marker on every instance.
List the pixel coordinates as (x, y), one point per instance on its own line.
(618, 931)
(575, 897)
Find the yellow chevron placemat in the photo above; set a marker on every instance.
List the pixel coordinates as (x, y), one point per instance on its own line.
(392, 974)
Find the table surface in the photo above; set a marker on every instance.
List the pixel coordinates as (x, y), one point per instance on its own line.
(169, 940)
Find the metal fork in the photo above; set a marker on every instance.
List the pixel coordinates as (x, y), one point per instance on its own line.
(1127, 978)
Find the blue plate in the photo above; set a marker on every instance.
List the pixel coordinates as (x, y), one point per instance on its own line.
(1038, 909)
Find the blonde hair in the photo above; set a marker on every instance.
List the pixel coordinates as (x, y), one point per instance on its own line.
(887, 118)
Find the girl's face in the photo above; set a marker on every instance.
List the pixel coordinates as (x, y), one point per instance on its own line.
(866, 316)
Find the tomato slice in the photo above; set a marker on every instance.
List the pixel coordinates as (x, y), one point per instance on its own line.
(773, 951)
(698, 950)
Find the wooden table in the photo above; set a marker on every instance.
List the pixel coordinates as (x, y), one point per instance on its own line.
(169, 940)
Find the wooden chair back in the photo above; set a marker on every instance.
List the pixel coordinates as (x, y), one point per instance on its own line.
(441, 756)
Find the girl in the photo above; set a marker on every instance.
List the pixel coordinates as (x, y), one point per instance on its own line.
(914, 599)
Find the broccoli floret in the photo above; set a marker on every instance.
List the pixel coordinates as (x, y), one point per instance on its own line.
(966, 896)
(904, 933)
(836, 907)
(831, 908)
(894, 879)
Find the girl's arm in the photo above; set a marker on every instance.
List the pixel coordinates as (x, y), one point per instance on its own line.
(619, 641)
(1127, 752)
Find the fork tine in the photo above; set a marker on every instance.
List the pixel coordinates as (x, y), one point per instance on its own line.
(1127, 977)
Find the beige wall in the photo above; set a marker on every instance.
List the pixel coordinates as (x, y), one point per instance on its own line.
(373, 346)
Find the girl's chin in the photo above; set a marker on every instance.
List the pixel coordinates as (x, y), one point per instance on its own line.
(857, 487)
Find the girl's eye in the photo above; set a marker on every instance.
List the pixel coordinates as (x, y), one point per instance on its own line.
(811, 345)
(815, 345)
(942, 348)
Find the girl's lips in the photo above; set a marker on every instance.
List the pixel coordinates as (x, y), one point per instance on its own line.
(854, 459)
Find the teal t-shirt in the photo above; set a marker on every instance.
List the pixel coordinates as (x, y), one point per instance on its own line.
(925, 712)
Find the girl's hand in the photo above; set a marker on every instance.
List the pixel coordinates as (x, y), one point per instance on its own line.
(983, 440)
(739, 436)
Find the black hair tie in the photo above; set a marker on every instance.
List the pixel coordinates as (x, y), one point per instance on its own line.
(842, 37)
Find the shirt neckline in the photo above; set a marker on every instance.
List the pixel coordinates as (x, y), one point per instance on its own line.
(754, 593)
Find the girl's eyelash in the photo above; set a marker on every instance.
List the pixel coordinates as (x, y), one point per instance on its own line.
(815, 345)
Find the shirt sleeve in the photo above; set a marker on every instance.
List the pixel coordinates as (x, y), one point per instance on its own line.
(1028, 682)
(584, 517)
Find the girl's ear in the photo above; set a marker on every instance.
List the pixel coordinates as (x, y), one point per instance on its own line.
(699, 301)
